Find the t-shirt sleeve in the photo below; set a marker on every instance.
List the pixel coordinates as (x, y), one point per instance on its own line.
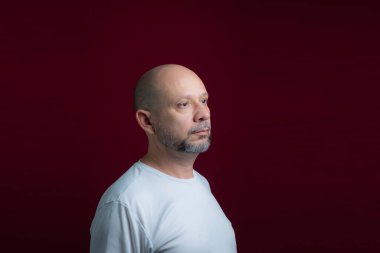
(116, 230)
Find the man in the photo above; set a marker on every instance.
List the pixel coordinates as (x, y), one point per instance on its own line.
(161, 204)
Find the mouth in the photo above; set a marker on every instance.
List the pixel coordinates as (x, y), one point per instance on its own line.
(204, 131)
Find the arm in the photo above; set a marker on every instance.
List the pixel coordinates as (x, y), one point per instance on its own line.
(116, 230)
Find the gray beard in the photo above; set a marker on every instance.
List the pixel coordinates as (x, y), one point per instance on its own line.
(170, 141)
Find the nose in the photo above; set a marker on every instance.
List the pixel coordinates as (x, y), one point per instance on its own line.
(202, 113)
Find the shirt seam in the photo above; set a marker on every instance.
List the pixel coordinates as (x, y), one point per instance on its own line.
(133, 216)
(163, 175)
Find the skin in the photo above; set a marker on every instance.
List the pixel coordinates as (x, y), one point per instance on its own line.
(180, 107)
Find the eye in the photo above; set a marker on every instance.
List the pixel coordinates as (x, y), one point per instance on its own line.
(183, 104)
(204, 101)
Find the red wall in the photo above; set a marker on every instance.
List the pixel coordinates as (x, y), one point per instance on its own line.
(295, 108)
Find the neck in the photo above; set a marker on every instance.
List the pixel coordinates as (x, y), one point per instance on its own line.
(171, 162)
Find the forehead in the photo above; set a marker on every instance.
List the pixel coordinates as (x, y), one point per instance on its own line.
(180, 86)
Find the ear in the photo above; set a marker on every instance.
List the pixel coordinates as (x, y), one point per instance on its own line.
(143, 118)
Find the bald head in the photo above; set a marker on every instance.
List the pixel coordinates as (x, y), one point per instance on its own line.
(171, 104)
(149, 87)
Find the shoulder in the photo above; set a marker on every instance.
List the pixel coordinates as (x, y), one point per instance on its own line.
(134, 182)
(202, 179)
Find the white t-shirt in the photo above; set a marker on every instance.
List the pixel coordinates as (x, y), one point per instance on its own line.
(147, 211)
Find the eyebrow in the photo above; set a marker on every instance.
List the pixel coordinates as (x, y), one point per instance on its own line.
(189, 96)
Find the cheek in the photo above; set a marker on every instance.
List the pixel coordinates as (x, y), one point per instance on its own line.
(179, 126)
(178, 123)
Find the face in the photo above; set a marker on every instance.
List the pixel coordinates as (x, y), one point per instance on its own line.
(183, 121)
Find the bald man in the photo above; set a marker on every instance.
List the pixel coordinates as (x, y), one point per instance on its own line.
(161, 204)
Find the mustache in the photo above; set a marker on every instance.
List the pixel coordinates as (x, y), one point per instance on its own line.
(200, 126)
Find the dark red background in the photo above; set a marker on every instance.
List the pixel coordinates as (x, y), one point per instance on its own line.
(295, 107)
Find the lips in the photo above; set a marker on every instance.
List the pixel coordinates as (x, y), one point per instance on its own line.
(202, 131)
(203, 128)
